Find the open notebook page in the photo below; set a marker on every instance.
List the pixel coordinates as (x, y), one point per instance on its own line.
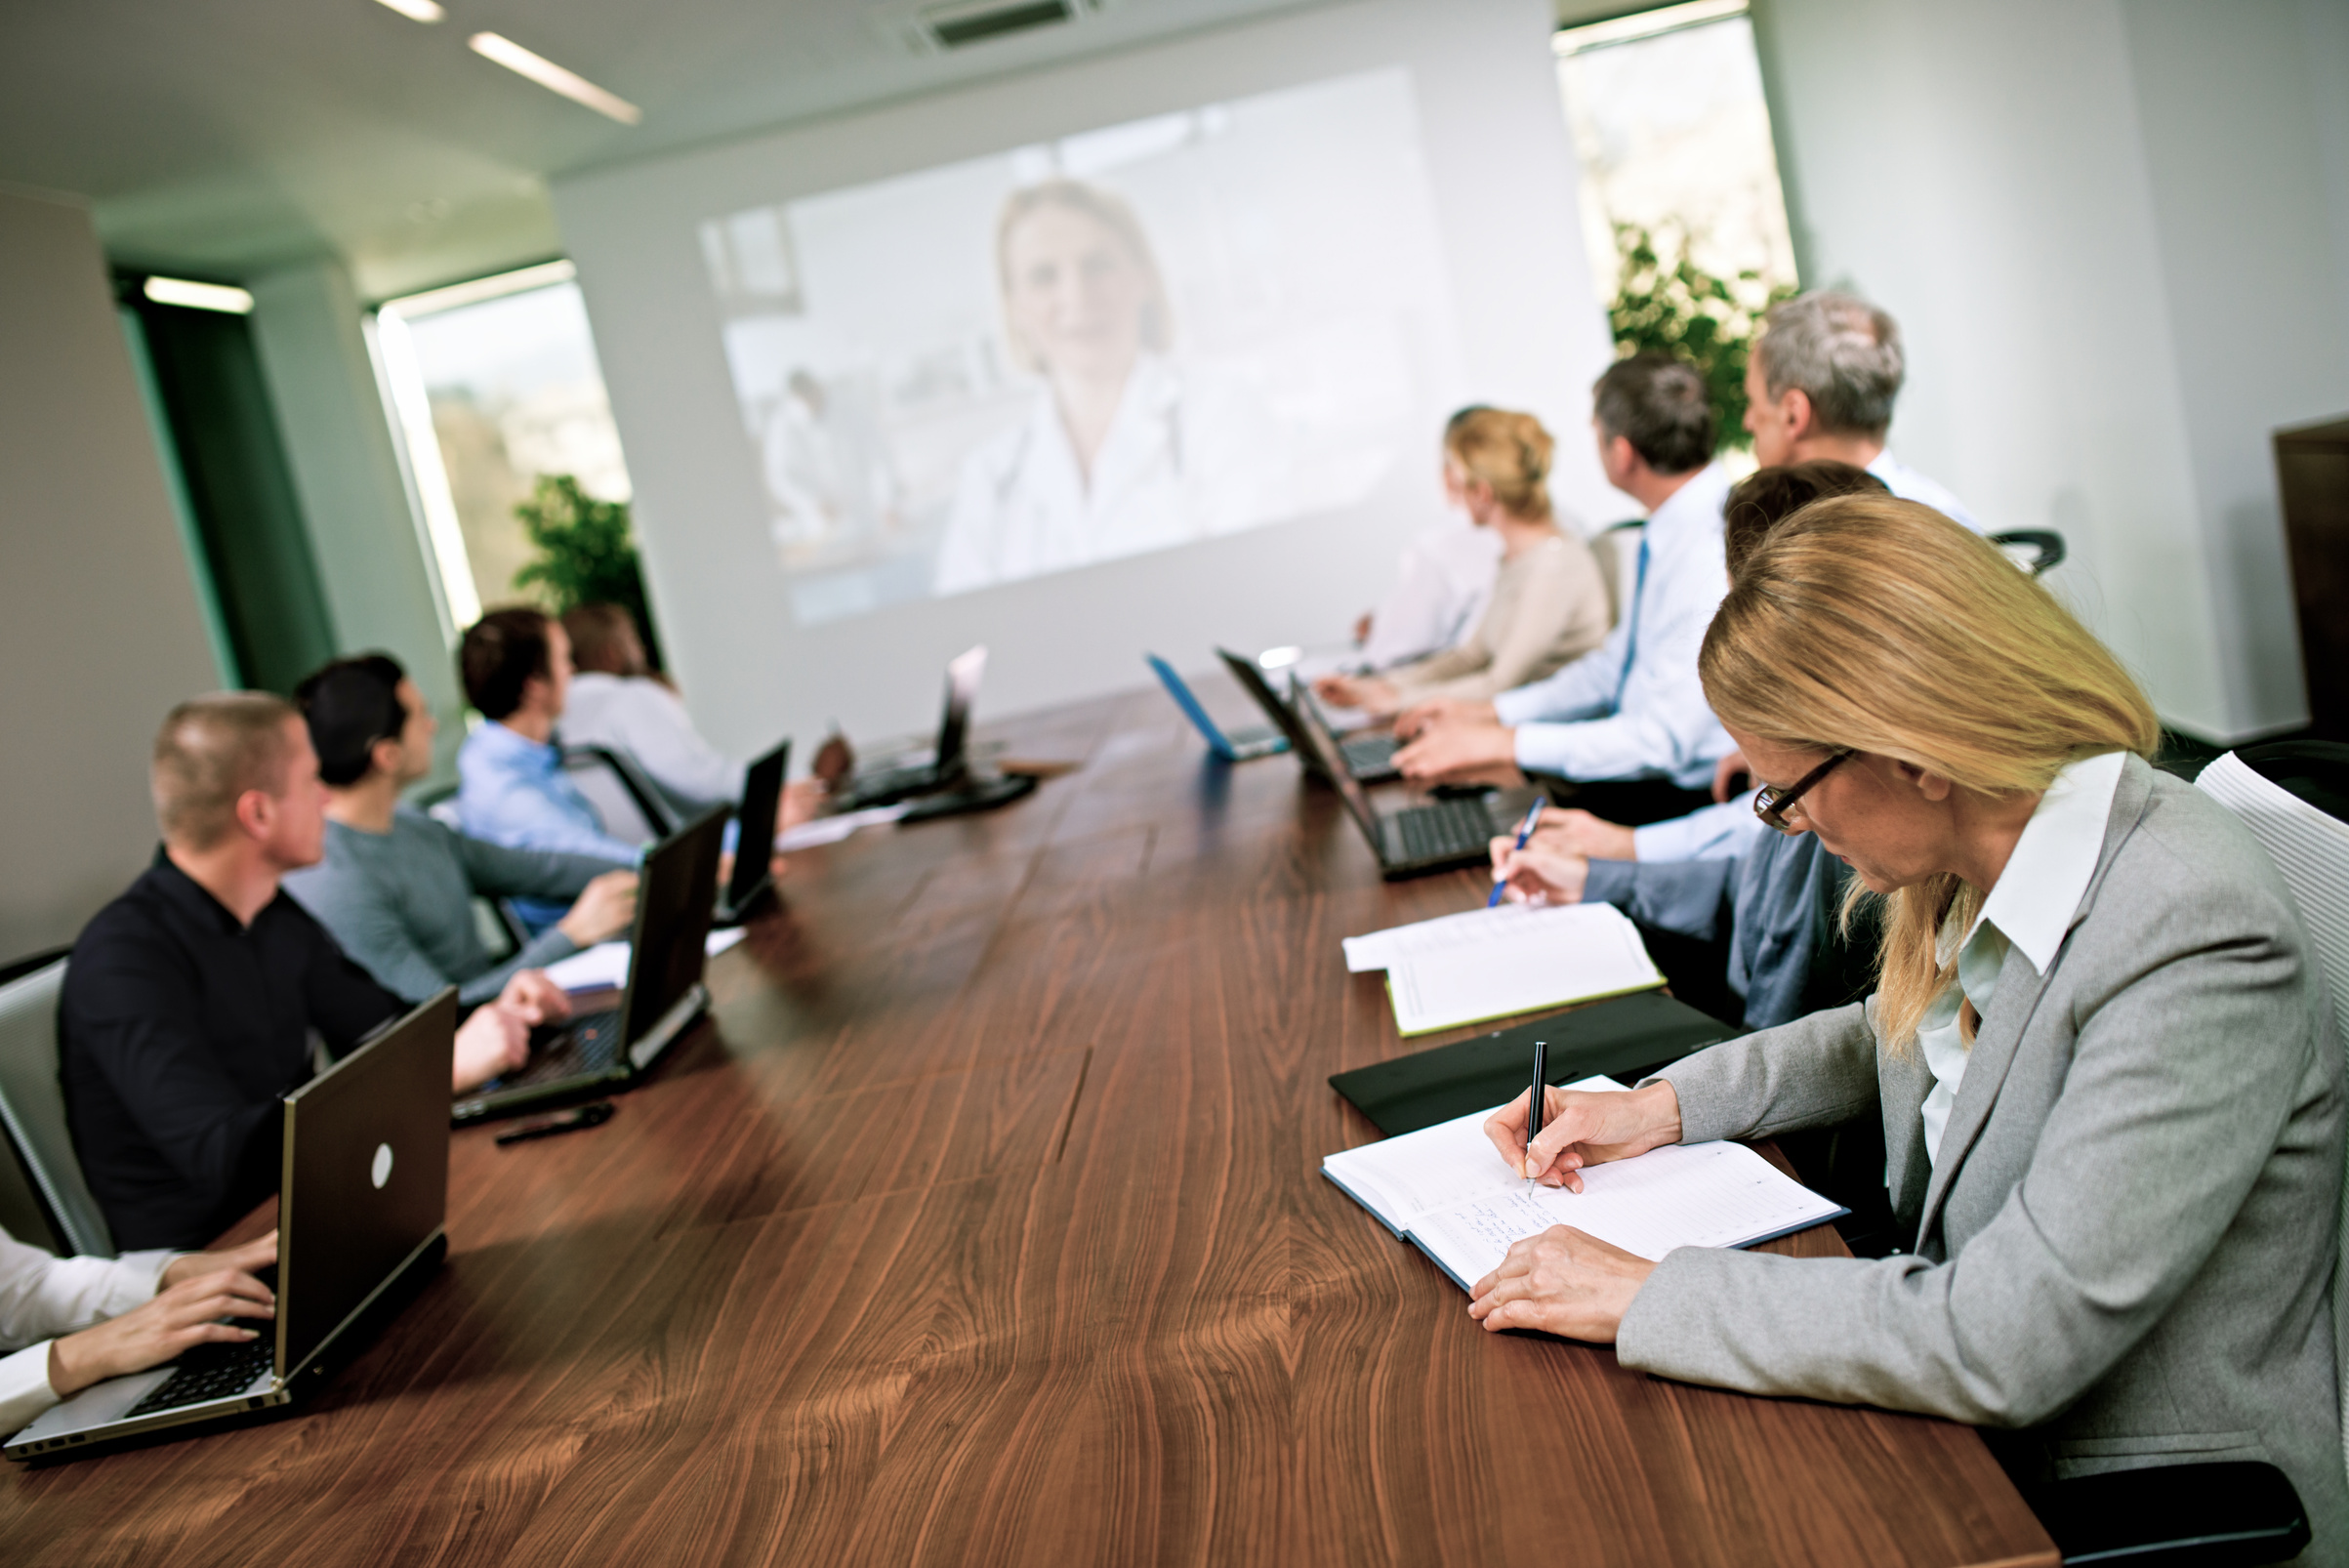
(1401, 1178)
(1681, 1195)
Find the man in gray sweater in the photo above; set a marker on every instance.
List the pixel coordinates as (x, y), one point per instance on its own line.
(395, 886)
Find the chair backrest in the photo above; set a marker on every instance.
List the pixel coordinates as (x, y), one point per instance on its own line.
(32, 1104)
(627, 804)
(2310, 845)
(1616, 547)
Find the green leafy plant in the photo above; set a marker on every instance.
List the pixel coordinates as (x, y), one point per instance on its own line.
(586, 552)
(1668, 303)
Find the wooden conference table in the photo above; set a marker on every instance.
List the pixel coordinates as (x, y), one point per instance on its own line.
(983, 1224)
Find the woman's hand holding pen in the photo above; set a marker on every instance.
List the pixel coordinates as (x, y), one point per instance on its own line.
(1561, 1282)
(1539, 872)
(1581, 1127)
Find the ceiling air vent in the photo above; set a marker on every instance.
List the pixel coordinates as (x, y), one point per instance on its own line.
(958, 26)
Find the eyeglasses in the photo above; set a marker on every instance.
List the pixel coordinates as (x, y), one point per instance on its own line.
(1770, 803)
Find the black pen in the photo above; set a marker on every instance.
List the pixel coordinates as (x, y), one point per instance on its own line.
(1533, 1105)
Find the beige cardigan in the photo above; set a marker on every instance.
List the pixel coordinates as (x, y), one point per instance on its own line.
(1549, 609)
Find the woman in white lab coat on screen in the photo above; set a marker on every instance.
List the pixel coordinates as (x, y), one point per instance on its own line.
(1121, 453)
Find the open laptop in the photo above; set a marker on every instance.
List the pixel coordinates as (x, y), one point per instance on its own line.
(1436, 836)
(598, 1052)
(947, 763)
(1234, 746)
(754, 843)
(1367, 757)
(363, 1192)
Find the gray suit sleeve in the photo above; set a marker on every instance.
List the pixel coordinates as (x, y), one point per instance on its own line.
(2180, 1082)
(1688, 896)
(1810, 1073)
(498, 872)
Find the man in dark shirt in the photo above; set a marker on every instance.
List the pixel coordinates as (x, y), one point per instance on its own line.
(190, 1000)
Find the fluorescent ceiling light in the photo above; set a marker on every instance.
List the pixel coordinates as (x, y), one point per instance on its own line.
(552, 77)
(475, 290)
(416, 10)
(199, 296)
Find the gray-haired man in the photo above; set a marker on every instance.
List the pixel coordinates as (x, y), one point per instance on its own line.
(1820, 384)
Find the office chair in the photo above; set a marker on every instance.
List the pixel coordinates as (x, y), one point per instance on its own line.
(32, 1106)
(2294, 798)
(2035, 550)
(627, 802)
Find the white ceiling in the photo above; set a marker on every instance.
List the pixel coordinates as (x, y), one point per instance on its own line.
(223, 138)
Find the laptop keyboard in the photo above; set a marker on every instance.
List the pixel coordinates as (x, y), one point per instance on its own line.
(211, 1372)
(1370, 754)
(588, 1048)
(1444, 829)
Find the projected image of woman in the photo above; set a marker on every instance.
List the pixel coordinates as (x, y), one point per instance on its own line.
(1119, 455)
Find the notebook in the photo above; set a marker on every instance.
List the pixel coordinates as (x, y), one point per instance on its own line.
(1448, 1191)
(1496, 963)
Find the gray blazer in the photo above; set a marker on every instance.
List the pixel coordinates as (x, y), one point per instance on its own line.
(2126, 1255)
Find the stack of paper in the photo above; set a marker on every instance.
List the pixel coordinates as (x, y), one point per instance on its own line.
(604, 966)
(820, 830)
(1493, 963)
(1447, 1190)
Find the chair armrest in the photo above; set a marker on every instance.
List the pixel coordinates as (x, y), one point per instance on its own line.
(2230, 1513)
(2049, 544)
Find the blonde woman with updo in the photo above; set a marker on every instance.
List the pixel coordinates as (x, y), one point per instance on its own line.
(1549, 602)
(2111, 1091)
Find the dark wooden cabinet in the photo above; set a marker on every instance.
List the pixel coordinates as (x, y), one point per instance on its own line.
(2312, 472)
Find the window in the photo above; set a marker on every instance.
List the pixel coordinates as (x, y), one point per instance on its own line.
(494, 382)
(1673, 135)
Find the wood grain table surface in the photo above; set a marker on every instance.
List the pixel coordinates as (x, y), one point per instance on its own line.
(982, 1223)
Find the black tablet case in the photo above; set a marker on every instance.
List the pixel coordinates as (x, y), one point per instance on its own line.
(1626, 1039)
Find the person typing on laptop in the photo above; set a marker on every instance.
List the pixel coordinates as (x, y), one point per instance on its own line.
(75, 1321)
(190, 1001)
(394, 887)
(1631, 714)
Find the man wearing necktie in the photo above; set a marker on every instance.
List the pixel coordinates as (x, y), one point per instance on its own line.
(1627, 722)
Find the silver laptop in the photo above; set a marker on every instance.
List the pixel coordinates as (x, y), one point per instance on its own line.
(362, 1196)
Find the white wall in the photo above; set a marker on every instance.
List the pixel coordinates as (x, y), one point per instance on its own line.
(99, 625)
(363, 531)
(1531, 336)
(2114, 231)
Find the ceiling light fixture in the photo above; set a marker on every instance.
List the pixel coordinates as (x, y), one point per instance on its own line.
(552, 77)
(199, 296)
(416, 10)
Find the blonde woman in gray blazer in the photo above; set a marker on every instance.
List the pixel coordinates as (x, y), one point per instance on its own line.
(2111, 1091)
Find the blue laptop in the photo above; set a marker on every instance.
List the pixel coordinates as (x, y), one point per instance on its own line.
(1239, 745)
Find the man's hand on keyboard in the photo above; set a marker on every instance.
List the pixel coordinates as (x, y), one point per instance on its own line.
(186, 1315)
(491, 1042)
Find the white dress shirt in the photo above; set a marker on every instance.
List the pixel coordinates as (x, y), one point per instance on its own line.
(646, 720)
(43, 1297)
(2029, 911)
(1910, 486)
(1715, 833)
(1597, 719)
(1445, 581)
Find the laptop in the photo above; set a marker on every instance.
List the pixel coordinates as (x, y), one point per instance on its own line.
(600, 1052)
(754, 843)
(948, 762)
(363, 1192)
(1234, 746)
(1367, 757)
(1439, 836)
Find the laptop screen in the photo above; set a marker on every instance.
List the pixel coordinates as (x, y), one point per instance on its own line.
(668, 946)
(1284, 717)
(1180, 690)
(753, 846)
(962, 674)
(365, 1178)
(1333, 760)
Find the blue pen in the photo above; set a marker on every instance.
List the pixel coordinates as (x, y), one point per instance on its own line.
(1525, 831)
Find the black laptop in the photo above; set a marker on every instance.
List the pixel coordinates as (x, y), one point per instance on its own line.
(363, 1192)
(754, 843)
(1440, 836)
(948, 762)
(1370, 758)
(599, 1052)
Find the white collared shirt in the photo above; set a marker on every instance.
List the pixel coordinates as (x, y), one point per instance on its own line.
(646, 720)
(1573, 724)
(2029, 910)
(42, 1296)
(1910, 486)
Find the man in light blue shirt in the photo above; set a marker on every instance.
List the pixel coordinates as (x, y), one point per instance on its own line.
(1632, 709)
(511, 787)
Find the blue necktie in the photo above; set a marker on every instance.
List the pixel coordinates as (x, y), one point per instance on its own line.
(1630, 641)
